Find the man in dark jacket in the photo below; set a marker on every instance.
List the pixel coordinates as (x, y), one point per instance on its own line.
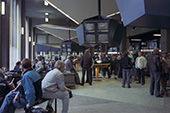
(29, 91)
(126, 66)
(86, 63)
(165, 71)
(4, 87)
(154, 67)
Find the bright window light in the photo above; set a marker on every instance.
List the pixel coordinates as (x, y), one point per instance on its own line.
(3, 8)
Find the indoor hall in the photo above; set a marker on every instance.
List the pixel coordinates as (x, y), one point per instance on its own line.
(108, 96)
(55, 29)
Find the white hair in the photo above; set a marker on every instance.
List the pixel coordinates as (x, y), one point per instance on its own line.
(59, 63)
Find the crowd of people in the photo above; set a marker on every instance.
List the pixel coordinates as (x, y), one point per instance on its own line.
(37, 79)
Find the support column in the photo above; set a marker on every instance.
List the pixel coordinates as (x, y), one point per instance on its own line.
(34, 42)
(23, 29)
(124, 45)
(103, 48)
(4, 35)
(30, 35)
(165, 40)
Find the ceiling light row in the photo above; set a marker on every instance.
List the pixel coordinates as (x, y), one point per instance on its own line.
(68, 16)
(45, 3)
(116, 13)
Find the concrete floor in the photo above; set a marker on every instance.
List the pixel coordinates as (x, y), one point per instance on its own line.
(107, 96)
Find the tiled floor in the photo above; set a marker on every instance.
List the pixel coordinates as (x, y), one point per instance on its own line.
(107, 96)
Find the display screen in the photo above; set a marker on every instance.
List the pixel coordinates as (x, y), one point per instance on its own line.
(90, 38)
(103, 38)
(68, 50)
(64, 50)
(90, 27)
(68, 45)
(63, 45)
(102, 27)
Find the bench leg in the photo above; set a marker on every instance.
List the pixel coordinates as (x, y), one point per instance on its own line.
(55, 105)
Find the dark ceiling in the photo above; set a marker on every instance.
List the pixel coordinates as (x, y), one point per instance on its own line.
(77, 9)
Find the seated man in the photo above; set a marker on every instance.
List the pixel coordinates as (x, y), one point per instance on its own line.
(53, 87)
(70, 69)
(28, 90)
(4, 87)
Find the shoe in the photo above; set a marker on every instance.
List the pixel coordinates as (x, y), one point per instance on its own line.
(138, 82)
(151, 94)
(82, 84)
(49, 108)
(159, 96)
(166, 94)
(143, 84)
(90, 83)
(115, 78)
(123, 86)
(129, 86)
(162, 93)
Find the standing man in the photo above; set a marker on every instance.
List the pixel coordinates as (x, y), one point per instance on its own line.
(154, 66)
(140, 65)
(165, 71)
(86, 63)
(126, 66)
(29, 91)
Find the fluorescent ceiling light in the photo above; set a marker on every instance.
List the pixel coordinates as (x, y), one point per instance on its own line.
(51, 33)
(56, 27)
(46, 14)
(3, 8)
(136, 40)
(156, 34)
(45, 3)
(46, 20)
(63, 12)
(116, 13)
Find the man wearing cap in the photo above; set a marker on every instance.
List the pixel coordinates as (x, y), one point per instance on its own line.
(154, 66)
(165, 71)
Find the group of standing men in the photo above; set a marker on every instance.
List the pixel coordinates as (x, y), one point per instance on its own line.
(158, 67)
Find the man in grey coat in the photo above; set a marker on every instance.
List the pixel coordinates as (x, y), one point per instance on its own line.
(53, 87)
(154, 66)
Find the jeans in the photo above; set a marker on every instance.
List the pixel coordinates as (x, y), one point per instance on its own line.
(134, 72)
(126, 75)
(9, 107)
(140, 73)
(155, 83)
(89, 75)
(63, 95)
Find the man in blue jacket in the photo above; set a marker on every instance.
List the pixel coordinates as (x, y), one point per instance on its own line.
(26, 96)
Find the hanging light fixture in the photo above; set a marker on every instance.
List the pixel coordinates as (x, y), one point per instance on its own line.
(3, 8)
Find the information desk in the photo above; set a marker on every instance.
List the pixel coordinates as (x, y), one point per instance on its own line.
(97, 66)
(77, 63)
